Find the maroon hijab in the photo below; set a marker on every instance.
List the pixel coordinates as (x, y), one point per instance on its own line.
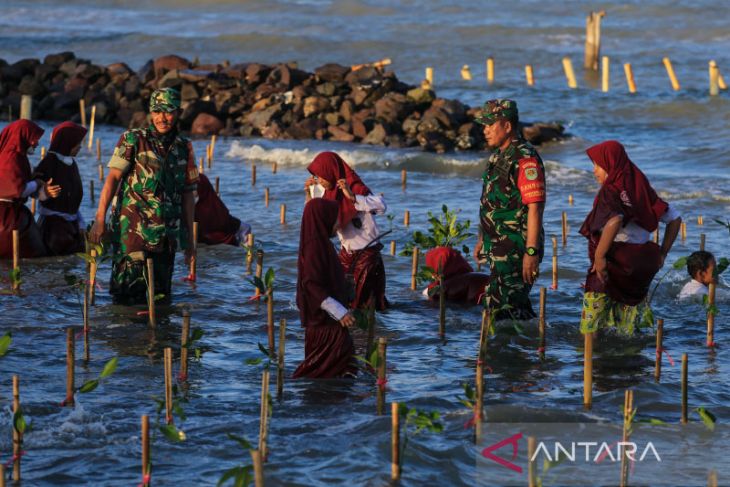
(319, 273)
(626, 191)
(66, 136)
(216, 225)
(331, 167)
(15, 140)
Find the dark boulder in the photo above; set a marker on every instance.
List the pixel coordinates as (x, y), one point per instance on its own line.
(163, 64)
(334, 73)
(206, 124)
(56, 60)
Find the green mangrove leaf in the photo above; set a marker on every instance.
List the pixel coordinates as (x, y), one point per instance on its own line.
(109, 368)
(5, 342)
(707, 417)
(172, 433)
(89, 386)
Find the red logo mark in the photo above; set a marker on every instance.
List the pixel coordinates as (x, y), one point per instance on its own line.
(487, 452)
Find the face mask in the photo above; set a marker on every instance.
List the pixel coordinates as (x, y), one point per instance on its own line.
(30, 151)
(316, 190)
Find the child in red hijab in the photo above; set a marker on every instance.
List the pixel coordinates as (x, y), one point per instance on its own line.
(623, 258)
(216, 225)
(17, 140)
(328, 346)
(461, 284)
(59, 219)
(333, 179)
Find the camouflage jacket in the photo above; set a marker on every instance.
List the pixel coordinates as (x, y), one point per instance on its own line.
(157, 169)
(512, 179)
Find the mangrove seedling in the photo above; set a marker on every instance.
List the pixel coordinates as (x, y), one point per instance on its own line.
(170, 431)
(416, 422)
(92, 384)
(264, 285)
(242, 475)
(445, 231)
(5, 342)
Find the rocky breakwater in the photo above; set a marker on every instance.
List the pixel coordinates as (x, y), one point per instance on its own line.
(281, 101)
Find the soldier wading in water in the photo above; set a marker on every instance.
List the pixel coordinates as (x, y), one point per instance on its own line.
(152, 176)
(511, 237)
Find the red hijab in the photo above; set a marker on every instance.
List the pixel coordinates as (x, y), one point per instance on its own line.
(66, 136)
(15, 140)
(331, 167)
(215, 223)
(319, 272)
(452, 262)
(626, 191)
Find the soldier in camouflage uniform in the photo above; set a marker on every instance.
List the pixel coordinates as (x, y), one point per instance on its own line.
(152, 178)
(511, 236)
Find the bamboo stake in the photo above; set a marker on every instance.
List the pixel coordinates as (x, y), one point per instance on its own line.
(280, 359)
(721, 81)
(670, 71)
(101, 172)
(394, 442)
(702, 241)
(593, 40)
(194, 258)
(17, 435)
(185, 336)
(712, 478)
(605, 74)
(414, 268)
(274, 167)
(465, 73)
(541, 322)
(258, 468)
(684, 388)
(700, 220)
(570, 199)
(93, 266)
(555, 263)
(490, 70)
(266, 197)
(628, 410)
(264, 417)
(201, 169)
(569, 73)
(531, 467)
(85, 313)
(282, 214)
(403, 178)
(212, 144)
(146, 465)
(218, 185)
(529, 75)
(32, 206)
(270, 322)
(253, 175)
(382, 349)
(629, 77)
(43, 152)
(168, 385)
(151, 291)
(659, 349)
(91, 126)
(259, 268)
(209, 155)
(429, 75)
(711, 316)
(565, 228)
(2, 475)
(249, 253)
(70, 363)
(714, 79)
(98, 150)
(91, 190)
(683, 231)
(26, 107)
(407, 218)
(16, 260)
(392, 247)
(656, 236)
(82, 111)
(588, 371)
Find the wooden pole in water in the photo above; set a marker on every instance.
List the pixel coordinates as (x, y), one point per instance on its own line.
(93, 266)
(70, 363)
(264, 417)
(270, 322)
(541, 322)
(212, 144)
(702, 241)
(684, 388)
(168, 385)
(569, 73)
(266, 197)
(184, 345)
(85, 313)
(465, 73)
(280, 359)
(382, 349)
(26, 107)
(570, 199)
(282, 214)
(17, 435)
(565, 228)
(714, 79)
(209, 155)
(274, 167)
(16, 260)
(392, 247)
(403, 179)
(712, 478)
(628, 412)
(194, 257)
(429, 75)
(98, 150)
(490, 70)
(201, 162)
(555, 263)
(629, 77)
(531, 467)
(700, 220)
(711, 316)
(414, 268)
(407, 218)
(91, 126)
(259, 268)
(43, 152)
(659, 349)
(146, 465)
(605, 74)
(670, 71)
(82, 111)
(91, 190)
(2, 475)
(249, 253)
(394, 442)
(593, 40)
(656, 236)
(253, 174)
(683, 231)
(529, 75)
(218, 185)
(588, 371)
(101, 172)
(33, 203)
(151, 291)
(258, 468)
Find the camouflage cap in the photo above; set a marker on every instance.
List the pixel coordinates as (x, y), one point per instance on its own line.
(165, 100)
(498, 109)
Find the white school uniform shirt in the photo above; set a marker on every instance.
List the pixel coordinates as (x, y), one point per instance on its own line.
(693, 288)
(635, 234)
(353, 238)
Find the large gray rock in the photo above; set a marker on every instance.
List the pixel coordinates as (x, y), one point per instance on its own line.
(331, 72)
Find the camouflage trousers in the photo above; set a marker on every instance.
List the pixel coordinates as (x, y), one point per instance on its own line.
(128, 284)
(507, 295)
